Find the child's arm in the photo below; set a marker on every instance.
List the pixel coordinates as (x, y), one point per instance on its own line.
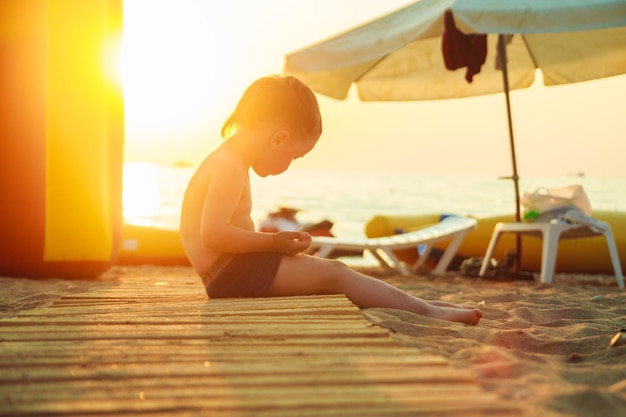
(226, 224)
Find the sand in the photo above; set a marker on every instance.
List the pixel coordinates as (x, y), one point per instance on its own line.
(546, 348)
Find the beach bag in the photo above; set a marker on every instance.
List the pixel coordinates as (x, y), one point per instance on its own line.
(546, 204)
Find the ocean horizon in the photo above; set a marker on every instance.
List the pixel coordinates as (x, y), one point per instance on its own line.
(153, 193)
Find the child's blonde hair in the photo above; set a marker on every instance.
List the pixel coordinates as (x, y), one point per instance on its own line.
(276, 99)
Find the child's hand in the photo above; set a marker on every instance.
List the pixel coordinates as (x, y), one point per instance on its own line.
(290, 243)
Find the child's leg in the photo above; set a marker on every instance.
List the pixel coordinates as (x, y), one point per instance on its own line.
(306, 275)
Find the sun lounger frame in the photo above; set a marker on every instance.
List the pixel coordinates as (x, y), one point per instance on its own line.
(451, 227)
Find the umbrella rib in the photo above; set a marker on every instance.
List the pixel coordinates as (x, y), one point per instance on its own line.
(356, 80)
(530, 52)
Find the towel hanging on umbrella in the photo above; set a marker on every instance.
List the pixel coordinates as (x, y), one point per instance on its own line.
(461, 50)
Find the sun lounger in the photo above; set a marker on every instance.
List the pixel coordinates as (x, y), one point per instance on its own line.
(451, 227)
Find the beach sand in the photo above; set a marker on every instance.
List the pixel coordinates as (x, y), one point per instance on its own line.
(546, 348)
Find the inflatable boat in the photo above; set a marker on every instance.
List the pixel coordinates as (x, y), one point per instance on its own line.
(585, 255)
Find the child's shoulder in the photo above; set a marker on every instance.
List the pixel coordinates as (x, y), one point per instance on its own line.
(221, 161)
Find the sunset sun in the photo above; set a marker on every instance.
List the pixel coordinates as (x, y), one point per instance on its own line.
(173, 70)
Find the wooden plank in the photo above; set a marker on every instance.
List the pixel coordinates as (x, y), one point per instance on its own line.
(254, 399)
(156, 359)
(166, 318)
(241, 332)
(267, 326)
(213, 344)
(408, 392)
(69, 354)
(158, 347)
(374, 404)
(271, 372)
(188, 316)
(203, 307)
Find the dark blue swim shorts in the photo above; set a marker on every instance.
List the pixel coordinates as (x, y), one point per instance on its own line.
(245, 275)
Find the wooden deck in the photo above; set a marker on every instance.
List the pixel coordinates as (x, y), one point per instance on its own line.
(158, 348)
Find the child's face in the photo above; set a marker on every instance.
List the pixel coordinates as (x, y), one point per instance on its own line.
(281, 152)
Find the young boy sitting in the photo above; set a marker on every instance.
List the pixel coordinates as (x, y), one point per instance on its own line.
(276, 121)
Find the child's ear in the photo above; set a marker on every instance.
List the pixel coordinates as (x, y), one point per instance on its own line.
(280, 136)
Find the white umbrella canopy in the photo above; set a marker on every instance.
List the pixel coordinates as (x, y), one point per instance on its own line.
(398, 57)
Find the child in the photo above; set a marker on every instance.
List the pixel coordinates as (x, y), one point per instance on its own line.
(276, 121)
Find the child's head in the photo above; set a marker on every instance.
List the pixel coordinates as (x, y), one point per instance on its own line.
(276, 99)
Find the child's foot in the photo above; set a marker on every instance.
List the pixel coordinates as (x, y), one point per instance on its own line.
(440, 303)
(461, 315)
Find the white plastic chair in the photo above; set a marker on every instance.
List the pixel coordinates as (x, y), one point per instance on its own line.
(572, 224)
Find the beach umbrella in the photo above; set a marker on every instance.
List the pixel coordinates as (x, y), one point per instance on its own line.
(496, 46)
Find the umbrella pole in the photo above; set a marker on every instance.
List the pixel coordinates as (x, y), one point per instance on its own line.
(514, 177)
(505, 80)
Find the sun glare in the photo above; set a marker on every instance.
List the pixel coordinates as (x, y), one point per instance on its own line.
(140, 194)
(173, 75)
(162, 70)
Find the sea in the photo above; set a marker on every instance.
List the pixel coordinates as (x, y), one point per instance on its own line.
(152, 195)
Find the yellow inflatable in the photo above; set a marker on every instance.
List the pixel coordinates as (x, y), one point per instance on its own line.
(61, 130)
(585, 255)
(148, 245)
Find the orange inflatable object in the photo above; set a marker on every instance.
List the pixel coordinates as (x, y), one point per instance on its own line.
(61, 130)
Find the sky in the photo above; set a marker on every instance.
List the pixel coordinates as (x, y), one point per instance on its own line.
(186, 64)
